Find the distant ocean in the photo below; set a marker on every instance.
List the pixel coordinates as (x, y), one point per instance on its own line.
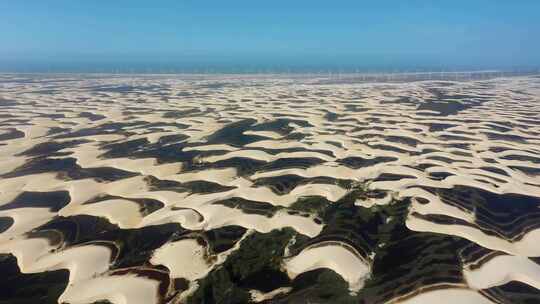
(118, 67)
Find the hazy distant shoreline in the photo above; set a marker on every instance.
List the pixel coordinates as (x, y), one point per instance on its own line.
(329, 77)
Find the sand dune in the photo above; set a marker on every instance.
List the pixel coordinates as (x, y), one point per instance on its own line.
(237, 189)
(336, 257)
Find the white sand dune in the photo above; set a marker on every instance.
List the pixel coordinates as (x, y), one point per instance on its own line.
(125, 289)
(184, 258)
(463, 296)
(402, 138)
(527, 246)
(503, 269)
(121, 212)
(24, 220)
(336, 257)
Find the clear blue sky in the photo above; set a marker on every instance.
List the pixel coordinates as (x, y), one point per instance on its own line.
(364, 34)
